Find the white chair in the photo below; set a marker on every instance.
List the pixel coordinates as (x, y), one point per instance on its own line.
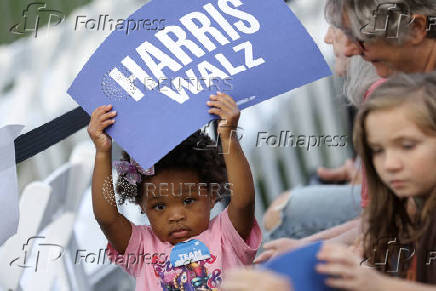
(80, 176)
(51, 273)
(69, 182)
(33, 203)
(61, 185)
(58, 181)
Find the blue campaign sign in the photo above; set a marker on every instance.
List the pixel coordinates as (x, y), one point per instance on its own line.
(299, 267)
(159, 81)
(185, 253)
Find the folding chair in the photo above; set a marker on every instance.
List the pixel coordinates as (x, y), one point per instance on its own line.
(33, 203)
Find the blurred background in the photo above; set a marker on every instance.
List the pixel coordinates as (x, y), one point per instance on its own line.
(36, 69)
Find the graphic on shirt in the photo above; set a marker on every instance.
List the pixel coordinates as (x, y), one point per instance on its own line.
(194, 276)
(188, 252)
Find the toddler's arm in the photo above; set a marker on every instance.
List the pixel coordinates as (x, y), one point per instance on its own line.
(115, 226)
(241, 208)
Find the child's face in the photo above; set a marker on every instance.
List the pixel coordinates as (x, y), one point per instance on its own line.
(403, 155)
(177, 205)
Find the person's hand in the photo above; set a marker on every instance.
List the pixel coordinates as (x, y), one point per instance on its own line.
(101, 118)
(226, 108)
(254, 280)
(279, 246)
(348, 172)
(345, 270)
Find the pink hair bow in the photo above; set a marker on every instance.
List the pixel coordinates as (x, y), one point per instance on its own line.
(132, 171)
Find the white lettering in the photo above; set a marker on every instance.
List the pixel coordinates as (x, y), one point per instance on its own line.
(248, 48)
(254, 23)
(176, 46)
(146, 48)
(200, 31)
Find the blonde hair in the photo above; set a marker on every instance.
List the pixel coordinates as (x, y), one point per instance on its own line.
(386, 213)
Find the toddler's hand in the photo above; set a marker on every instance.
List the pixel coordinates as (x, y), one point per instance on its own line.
(226, 108)
(101, 118)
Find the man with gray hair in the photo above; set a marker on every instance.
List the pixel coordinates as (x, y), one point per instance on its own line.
(393, 35)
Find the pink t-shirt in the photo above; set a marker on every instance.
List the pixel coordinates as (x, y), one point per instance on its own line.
(147, 258)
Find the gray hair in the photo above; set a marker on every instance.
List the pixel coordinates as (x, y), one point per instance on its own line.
(333, 12)
(365, 24)
(360, 75)
(359, 78)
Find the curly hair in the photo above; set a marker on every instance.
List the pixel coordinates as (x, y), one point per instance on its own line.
(198, 152)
